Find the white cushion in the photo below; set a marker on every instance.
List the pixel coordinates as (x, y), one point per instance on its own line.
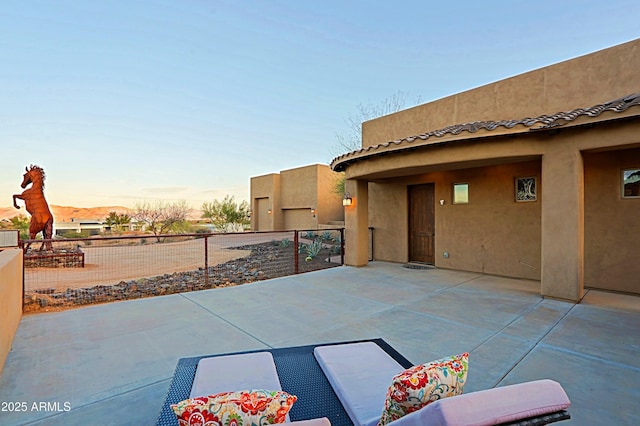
(230, 373)
(323, 421)
(360, 374)
(491, 406)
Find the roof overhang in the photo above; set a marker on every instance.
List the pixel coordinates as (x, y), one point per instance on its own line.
(621, 108)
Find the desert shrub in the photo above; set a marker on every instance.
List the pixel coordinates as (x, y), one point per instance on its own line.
(74, 234)
(326, 236)
(313, 248)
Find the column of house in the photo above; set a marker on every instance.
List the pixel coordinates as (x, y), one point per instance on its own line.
(356, 219)
(562, 222)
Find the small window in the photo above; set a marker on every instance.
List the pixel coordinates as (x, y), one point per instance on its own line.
(460, 193)
(526, 189)
(631, 183)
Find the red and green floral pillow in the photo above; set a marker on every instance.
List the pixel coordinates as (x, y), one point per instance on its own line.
(423, 384)
(249, 407)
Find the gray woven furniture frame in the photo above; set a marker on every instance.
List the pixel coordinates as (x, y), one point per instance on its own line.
(300, 375)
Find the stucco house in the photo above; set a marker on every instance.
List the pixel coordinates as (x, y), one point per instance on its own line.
(301, 198)
(535, 177)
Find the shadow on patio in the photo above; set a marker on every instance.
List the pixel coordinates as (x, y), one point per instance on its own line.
(112, 363)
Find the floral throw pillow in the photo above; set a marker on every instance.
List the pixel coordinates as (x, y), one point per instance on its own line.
(242, 408)
(423, 384)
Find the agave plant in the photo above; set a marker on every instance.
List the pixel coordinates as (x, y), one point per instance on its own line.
(326, 236)
(313, 249)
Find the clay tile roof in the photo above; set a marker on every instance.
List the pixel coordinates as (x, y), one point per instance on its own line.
(543, 122)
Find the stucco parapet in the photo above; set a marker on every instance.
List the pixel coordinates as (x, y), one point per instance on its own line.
(611, 110)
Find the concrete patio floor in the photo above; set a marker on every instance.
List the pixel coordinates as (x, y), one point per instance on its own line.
(112, 364)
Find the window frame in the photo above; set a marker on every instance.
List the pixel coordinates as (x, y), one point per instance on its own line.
(453, 192)
(622, 182)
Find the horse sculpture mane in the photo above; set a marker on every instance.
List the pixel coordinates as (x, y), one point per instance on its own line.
(36, 204)
(36, 171)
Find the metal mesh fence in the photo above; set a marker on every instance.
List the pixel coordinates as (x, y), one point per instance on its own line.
(104, 269)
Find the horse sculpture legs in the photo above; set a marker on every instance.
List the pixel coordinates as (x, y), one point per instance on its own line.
(47, 234)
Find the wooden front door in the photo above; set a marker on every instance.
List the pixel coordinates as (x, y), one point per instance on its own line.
(421, 223)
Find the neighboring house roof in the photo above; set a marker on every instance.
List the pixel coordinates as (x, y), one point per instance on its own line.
(543, 122)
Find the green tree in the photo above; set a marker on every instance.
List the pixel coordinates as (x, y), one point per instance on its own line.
(116, 221)
(227, 215)
(339, 185)
(21, 223)
(161, 217)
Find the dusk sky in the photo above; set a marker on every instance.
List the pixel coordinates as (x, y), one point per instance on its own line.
(129, 101)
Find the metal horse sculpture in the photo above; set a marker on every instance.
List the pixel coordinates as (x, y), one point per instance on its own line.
(41, 217)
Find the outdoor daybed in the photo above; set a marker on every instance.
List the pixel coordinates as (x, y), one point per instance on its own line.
(349, 383)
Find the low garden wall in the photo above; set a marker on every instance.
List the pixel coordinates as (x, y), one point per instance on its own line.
(10, 299)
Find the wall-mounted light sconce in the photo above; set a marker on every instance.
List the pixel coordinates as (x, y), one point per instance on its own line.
(269, 211)
(313, 212)
(347, 200)
(442, 202)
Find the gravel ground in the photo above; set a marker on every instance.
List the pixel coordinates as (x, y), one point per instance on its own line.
(247, 264)
(108, 265)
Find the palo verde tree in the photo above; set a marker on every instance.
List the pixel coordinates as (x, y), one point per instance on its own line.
(227, 215)
(20, 223)
(161, 217)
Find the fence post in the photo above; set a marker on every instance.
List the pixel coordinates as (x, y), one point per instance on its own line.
(295, 252)
(371, 242)
(342, 246)
(24, 288)
(206, 261)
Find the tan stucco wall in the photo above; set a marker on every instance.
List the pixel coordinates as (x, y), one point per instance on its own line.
(299, 195)
(10, 299)
(581, 82)
(562, 222)
(264, 186)
(389, 217)
(265, 193)
(565, 227)
(294, 190)
(330, 207)
(491, 234)
(612, 228)
(356, 220)
(299, 187)
(586, 240)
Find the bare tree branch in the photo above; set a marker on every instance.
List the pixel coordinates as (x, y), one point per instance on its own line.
(351, 138)
(160, 217)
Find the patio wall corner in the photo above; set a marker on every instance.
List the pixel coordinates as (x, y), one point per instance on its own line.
(10, 299)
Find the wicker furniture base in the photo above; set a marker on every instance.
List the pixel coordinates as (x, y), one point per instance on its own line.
(300, 375)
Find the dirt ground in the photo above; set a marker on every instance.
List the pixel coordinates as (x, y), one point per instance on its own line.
(110, 265)
(254, 262)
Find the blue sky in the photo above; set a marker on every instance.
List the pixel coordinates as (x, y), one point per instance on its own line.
(129, 101)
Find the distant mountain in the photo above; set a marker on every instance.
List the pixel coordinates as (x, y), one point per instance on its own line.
(66, 213)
